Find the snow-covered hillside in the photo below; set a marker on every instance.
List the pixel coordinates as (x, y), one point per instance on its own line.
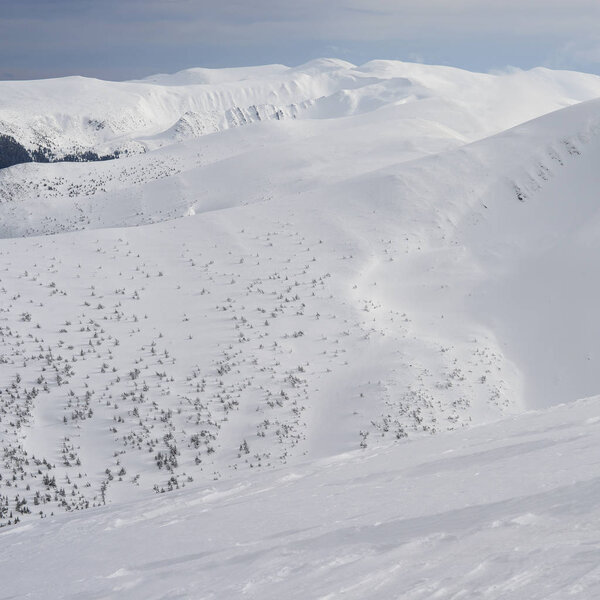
(215, 139)
(77, 114)
(508, 510)
(285, 266)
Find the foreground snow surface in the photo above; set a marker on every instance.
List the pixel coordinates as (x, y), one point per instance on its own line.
(506, 510)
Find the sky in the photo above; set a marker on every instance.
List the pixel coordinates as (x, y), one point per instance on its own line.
(124, 39)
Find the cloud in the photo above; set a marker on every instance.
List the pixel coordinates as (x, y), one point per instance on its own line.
(582, 51)
(116, 35)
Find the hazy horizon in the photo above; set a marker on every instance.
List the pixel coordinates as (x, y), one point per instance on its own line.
(126, 40)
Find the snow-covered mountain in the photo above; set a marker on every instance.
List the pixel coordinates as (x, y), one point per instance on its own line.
(280, 132)
(75, 114)
(278, 266)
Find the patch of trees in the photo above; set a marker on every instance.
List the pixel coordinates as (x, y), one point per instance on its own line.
(11, 152)
(14, 153)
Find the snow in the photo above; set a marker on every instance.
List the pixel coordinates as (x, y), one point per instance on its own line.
(74, 113)
(497, 511)
(322, 332)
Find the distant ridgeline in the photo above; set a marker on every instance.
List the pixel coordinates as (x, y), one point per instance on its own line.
(14, 153)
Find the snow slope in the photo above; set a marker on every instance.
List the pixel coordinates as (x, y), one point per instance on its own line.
(80, 113)
(300, 268)
(508, 510)
(205, 135)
